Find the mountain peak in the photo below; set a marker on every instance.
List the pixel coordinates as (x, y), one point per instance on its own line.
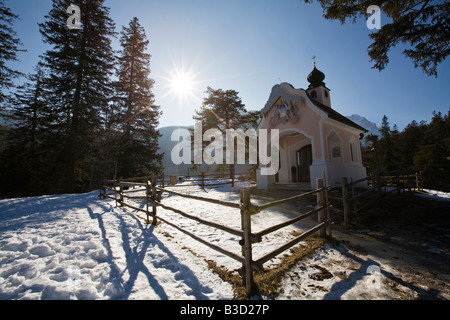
(367, 124)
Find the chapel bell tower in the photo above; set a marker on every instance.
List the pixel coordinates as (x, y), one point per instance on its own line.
(317, 89)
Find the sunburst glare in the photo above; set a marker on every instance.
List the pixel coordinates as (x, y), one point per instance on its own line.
(182, 84)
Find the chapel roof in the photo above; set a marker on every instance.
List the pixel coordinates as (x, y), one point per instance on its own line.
(333, 114)
(281, 90)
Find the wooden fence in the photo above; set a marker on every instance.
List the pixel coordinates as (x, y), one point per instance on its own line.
(153, 196)
(378, 185)
(202, 180)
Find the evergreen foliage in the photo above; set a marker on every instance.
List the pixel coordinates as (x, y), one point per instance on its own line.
(138, 116)
(420, 147)
(21, 161)
(222, 110)
(9, 47)
(423, 26)
(84, 106)
(80, 64)
(71, 118)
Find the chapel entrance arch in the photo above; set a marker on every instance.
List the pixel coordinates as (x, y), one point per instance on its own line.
(304, 160)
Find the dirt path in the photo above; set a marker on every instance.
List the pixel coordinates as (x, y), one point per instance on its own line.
(397, 249)
(409, 235)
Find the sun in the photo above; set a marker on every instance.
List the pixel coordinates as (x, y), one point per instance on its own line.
(182, 84)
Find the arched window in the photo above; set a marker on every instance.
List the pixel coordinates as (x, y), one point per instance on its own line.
(314, 94)
(335, 147)
(336, 152)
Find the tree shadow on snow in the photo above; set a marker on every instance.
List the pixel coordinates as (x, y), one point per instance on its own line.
(15, 214)
(367, 267)
(136, 250)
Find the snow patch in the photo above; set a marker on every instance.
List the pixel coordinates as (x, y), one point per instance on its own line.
(435, 195)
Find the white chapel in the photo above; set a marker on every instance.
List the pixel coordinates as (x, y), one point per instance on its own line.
(315, 140)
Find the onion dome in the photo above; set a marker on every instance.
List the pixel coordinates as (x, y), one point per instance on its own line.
(316, 78)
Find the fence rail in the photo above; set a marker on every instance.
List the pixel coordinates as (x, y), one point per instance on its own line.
(378, 185)
(153, 197)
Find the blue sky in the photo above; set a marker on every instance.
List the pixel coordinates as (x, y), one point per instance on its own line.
(250, 46)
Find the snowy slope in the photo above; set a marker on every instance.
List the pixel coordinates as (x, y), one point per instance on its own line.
(81, 247)
(78, 247)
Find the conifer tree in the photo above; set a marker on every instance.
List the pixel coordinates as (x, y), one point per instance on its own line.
(9, 44)
(369, 154)
(29, 107)
(432, 158)
(138, 116)
(222, 110)
(386, 147)
(422, 25)
(420, 148)
(80, 63)
(23, 163)
(408, 144)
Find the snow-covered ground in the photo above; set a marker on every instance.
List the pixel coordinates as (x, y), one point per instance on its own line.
(82, 247)
(436, 195)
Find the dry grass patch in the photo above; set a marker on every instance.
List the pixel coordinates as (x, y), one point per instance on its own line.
(268, 281)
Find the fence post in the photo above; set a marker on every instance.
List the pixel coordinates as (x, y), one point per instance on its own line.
(247, 273)
(121, 192)
(102, 194)
(321, 202)
(154, 194)
(353, 196)
(417, 182)
(115, 193)
(345, 201)
(147, 187)
(327, 203)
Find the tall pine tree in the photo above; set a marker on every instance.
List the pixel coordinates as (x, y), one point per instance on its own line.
(9, 46)
(80, 64)
(224, 110)
(408, 145)
(386, 147)
(30, 107)
(138, 116)
(24, 169)
(432, 158)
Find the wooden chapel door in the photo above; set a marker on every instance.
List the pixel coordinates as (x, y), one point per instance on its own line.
(304, 161)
